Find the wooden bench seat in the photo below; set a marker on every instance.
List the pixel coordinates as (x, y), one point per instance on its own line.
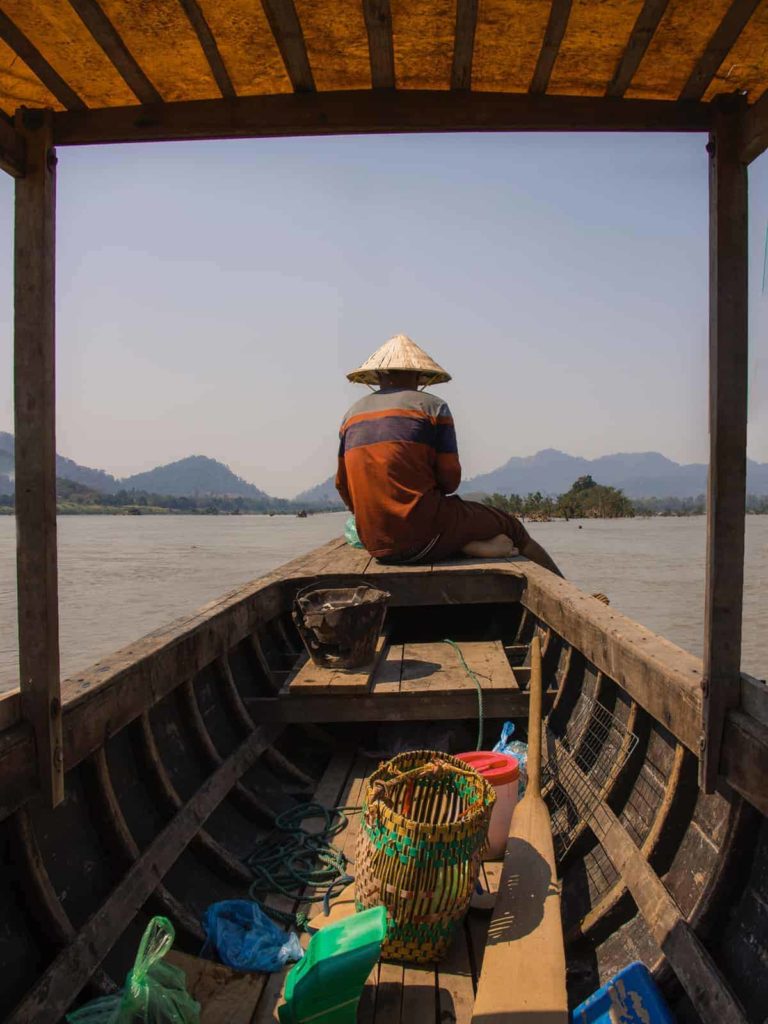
(415, 681)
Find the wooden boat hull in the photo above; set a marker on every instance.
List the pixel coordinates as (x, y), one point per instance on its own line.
(179, 753)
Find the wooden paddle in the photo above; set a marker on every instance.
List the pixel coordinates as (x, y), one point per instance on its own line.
(523, 976)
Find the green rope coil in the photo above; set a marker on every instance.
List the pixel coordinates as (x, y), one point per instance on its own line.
(477, 683)
(291, 860)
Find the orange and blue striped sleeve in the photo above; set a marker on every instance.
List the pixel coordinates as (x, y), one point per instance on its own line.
(342, 486)
(447, 467)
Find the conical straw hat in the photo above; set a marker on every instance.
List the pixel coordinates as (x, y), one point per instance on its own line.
(399, 353)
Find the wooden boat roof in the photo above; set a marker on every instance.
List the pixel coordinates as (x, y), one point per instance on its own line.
(116, 70)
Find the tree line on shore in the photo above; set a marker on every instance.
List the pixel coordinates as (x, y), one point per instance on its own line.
(589, 500)
(585, 500)
(77, 499)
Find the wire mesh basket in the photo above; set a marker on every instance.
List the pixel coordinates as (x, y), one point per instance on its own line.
(581, 768)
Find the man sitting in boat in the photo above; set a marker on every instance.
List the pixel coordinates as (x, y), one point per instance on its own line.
(399, 466)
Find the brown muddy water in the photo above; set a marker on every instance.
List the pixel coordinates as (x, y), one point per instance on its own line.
(122, 576)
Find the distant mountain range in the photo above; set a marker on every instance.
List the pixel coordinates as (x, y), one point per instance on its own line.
(639, 475)
(193, 476)
(321, 494)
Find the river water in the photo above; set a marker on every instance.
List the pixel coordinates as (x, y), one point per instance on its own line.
(122, 576)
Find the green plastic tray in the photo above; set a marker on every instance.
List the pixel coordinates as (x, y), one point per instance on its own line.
(326, 984)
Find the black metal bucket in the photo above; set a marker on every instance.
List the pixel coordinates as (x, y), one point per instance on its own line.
(340, 625)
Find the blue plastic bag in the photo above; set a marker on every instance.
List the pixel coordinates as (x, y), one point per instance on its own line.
(246, 939)
(350, 533)
(517, 749)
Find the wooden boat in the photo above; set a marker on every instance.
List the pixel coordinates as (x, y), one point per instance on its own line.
(182, 748)
(138, 786)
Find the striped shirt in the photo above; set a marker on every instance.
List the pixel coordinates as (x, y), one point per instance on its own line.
(397, 457)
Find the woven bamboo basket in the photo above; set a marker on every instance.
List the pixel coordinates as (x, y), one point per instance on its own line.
(424, 828)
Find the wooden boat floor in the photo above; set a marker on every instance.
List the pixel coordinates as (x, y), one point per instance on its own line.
(394, 993)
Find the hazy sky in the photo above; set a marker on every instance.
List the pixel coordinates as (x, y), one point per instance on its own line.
(212, 295)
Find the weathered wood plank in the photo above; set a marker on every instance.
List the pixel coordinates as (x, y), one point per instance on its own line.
(728, 372)
(208, 43)
(286, 28)
(610, 899)
(13, 155)
(754, 698)
(647, 22)
(755, 130)
(127, 849)
(486, 585)
(57, 986)
(108, 38)
(18, 767)
(662, 678)
(10, 709)
(419, 994)
(312, 678)
(42, 895)
(115, 691)
(726, 34)
(388, 673)
(455, 987)
(341, 785)
(51, 79)
(464, 44)
(523, 973)
(744, 758)
(438, 668)
(378, 25)
(690, 961)
(389, 994)
(559, 13)
(35, 426)
(375, 111)
(225, 996)
(391, 706)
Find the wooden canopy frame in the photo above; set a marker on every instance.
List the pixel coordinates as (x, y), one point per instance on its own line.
(666, 65)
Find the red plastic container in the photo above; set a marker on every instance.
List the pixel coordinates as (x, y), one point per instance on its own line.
(503, 773)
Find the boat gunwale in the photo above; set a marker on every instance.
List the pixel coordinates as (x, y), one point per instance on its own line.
(664, 679)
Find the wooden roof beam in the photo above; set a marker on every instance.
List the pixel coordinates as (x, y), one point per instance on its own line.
(35, 61)
(378, 24)
(755, 130)
(647, 22)
(464, 44)
(286, 28)
(106, 35)
(210, 49)
(370, 111)
(553, 37)
(726, 34)
(13, 154)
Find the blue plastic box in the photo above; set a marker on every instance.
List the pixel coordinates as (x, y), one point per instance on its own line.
(630, 998)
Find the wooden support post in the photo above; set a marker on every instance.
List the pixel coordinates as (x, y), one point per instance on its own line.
(35, 426)
(726, 489)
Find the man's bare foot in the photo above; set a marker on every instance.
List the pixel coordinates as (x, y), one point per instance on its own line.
(500, 546)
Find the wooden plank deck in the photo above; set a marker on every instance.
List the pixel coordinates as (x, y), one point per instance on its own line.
(312, 678)
(415, 681)
(397, 993)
